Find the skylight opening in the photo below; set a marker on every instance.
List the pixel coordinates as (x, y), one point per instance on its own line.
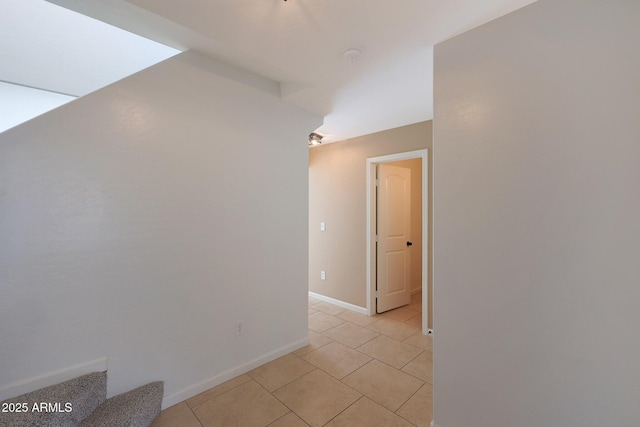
(20, 103)
(52, 55)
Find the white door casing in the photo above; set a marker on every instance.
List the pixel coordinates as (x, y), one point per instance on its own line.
(371, 220)
(394, 235)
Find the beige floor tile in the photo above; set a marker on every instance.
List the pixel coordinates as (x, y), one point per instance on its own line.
(289, 420)
(421, 367)
(316, 341)
(342, 344)
(328, 308)
(356, 318)
(425, 342)
(390, 351)
(179, 415)
(419, 409)
(400, 314)
(383, 384)
(313, 301)
(337, 359)
(306, 379)
(317, 397)
(217, 391)
(351, 335)
(367, 413)
(415, 321)
(246, 405)
(320, 322)
(392, 328)
(281, 371)
(416, 307)
(416, 302)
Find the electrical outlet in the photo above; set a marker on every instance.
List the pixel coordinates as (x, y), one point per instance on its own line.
(323, 275)
(239, 328)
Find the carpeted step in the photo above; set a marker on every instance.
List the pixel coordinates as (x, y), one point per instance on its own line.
(135, 408)
(60, 405)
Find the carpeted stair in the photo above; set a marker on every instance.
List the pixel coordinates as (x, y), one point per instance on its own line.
(82, 402)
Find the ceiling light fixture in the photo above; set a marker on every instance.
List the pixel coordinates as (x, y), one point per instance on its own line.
(315, 139)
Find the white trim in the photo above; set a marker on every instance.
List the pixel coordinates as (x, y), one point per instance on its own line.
(371, 220)
(51, 378)
(348, 306)
(205, 385)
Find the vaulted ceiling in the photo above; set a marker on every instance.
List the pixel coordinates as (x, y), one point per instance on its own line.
(301, 45)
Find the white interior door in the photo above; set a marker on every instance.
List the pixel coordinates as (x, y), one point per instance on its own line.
(393, 235)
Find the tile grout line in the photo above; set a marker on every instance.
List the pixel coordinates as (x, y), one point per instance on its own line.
(355, 348)
(345, 376)
(290, 412)
(311, 351)
(213, 397)
(284, 404)
(398, 415)
(194, 414)
(413, 358)
(405, 402)
(362, 396)
(295, 379)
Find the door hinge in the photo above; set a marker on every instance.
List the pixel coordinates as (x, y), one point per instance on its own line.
(377, 294)
(377, 238)
(377, 182)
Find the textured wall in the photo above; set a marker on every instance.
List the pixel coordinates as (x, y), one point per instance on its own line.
(536, 225)
(139, 222)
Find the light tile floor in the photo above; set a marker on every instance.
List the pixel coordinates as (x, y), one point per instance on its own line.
(356, 371)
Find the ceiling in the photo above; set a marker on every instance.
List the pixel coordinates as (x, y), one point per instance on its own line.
(300, 44)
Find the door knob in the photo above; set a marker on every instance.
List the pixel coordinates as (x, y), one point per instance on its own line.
(409, 244)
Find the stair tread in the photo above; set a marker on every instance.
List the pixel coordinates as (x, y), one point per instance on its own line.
(135, 408)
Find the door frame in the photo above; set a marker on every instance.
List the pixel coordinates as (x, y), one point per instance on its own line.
(372, 162)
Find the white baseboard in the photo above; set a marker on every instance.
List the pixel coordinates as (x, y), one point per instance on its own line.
(348, 306)
(51, 378)
(198, 388)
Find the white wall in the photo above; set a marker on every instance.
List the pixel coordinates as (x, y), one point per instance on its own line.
(139, 222)
(537, 207)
